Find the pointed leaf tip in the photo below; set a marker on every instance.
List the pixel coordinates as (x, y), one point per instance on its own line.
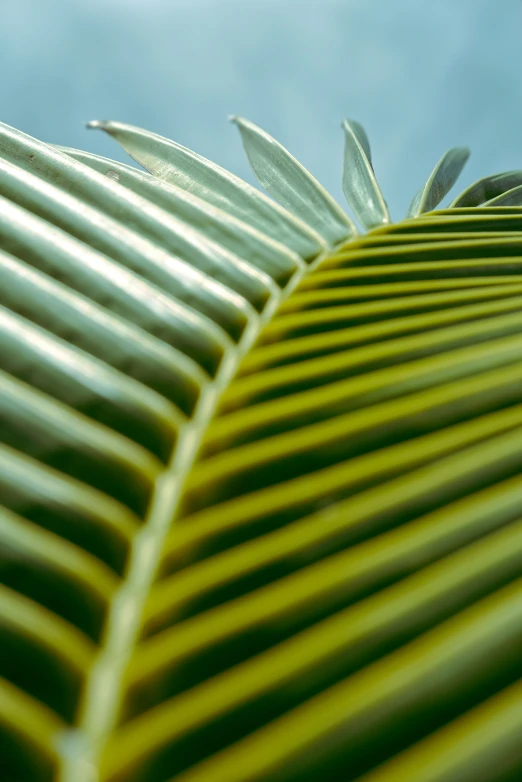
(440, 181)
(488, 188)
(180, 166)
(359, 183)
(292, 185)
(361, 135)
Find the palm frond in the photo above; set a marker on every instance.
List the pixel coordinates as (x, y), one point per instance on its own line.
(260, 487)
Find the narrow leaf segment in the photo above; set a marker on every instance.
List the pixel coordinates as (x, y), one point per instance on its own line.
(511, 197)
(488, 188)
(292, 185)
(359, 183)
(180, 166)
(440, 182)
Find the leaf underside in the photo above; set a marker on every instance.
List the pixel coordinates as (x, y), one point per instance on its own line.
(260, 504)
(440, 182)
(359, 183)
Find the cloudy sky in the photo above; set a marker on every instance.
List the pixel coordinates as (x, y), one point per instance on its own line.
(420, 76)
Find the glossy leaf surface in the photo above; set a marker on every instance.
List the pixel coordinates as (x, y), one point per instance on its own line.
(260, 519)
(488, 188)
(359, 183)
(292, 185)
(180, 166)
(440, 182)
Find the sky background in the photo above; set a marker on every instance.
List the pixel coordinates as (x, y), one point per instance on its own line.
(420, 77)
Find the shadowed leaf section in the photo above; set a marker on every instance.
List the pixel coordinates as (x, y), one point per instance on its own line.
(260, 486)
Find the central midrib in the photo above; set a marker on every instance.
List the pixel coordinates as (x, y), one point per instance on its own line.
(81, 747)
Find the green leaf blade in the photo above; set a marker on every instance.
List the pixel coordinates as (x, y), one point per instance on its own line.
(488, 188)
(511, 197)
(180, 166)
(359, 183)
(440, 182)
(292, 185)
(332, 502)
(223, 228)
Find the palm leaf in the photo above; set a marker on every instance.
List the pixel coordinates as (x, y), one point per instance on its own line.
(229, 232)
(180, 166)
(292, 185)
(440, 181)
(359, 183)
(488, 188)
(260, 502)
(511, 197)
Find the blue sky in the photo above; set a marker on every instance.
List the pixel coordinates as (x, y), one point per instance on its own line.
(420, 76)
